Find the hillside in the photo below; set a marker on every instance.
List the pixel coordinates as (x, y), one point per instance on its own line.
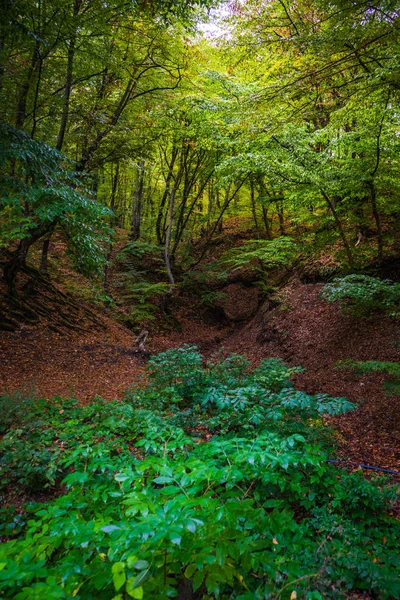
(199, 300)
(298, 326)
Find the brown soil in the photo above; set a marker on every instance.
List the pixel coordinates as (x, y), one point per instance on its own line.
(304, 329)
(81, 365)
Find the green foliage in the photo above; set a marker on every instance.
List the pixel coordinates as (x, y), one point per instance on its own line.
(391, 369)
(15, 408)
(261, 255)
(143, 294)
(361, 294)
(41, 191)
(137, 250)
(150, 505)
(211, 298)
(137, 291)
(34, 450)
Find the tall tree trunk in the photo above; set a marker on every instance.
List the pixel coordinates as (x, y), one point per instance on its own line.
(65, 111)
(342, 234)
(168, 180)
(138, 202)
(218, 204)
(377, 219)
(68, 76)
(36, 99)
(279, 209)
(183, 220)
(24, 91)
(114, 189)
(261, 197)
(228, 200)
(168, 238)
(90, 148)
(266, 222)
(253, 205)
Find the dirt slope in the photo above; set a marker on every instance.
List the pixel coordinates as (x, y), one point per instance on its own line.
(304, 330)
(73, 365)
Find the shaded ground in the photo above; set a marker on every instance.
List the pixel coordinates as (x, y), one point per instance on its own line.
(103, 363)
(306, 330)
(303, 329)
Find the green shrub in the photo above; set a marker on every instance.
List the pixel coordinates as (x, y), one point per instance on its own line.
(14, 408)
(261, 255)
(138, 292)
(361, 295)
(152, 508)
(390, 369)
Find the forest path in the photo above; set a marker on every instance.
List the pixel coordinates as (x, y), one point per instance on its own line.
(303, 330)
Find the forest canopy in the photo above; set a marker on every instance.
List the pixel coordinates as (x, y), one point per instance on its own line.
(286, 113)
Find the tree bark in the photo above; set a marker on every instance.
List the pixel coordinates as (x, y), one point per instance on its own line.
(44, 257)
(18, 258)
(138, 202)
(377, 219)
(159, 233)
(263, 193)
(279, 209)
(68, 77)
(340, 229)
(253, 204)
(168, 239)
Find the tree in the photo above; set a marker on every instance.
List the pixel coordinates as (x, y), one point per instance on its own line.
(39, 195)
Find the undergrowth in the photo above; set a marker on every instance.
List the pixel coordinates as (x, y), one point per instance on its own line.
(362, 295)
(391, 370)
(208, 482)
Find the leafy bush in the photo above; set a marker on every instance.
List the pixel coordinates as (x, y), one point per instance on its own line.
(36, 454)
(261, 254)
(14, 409)
(35, 175)
(391, 369)
(158, 507)
(361, 294)
(137, 292)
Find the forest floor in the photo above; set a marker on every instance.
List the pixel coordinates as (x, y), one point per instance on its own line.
(303, 330)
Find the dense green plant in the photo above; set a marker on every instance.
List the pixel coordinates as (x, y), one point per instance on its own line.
(361, 294)
(41, 191)
(155, 506)
(35, 452)
(139, 287)
(261, 255)
(390, 369)
(15, 408)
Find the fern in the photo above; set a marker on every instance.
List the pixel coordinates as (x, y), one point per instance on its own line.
(361, 294)
(261, 255)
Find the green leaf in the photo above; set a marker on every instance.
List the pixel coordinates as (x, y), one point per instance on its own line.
(198, 580)
(119, 576)
(133, 591)
(140, 565)
(190, 570)
(161, 480)
(110, 528)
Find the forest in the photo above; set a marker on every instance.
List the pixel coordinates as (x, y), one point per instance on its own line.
(199, 299)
